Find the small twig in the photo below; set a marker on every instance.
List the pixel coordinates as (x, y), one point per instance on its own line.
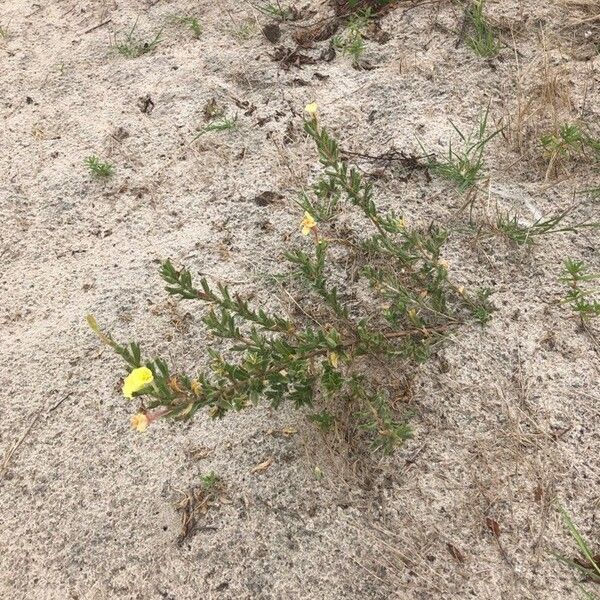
(16, 445)
(97, 26)
(390, 156)
(60, 402)
(11, 452)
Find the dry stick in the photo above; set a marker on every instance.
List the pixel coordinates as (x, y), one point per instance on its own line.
(10, 452)
(592, 337)
(60, 402)
(587, 20)
(418, 566)
(97, 26)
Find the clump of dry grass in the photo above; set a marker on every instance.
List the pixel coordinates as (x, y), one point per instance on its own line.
(542, 101)
(196, 502)
(589, 11)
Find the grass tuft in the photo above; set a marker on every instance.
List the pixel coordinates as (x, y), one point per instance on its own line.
(221, 123)
(510, 226)
(464, 166)
(131, 46)
(583, 295)
(483, 40)
(276, 10)
(98, 168)
(588, 563)
(191, 23)
(351, 42)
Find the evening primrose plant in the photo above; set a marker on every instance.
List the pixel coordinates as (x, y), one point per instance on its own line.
(353, 346)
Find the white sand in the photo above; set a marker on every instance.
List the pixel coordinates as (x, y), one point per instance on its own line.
(507, 415)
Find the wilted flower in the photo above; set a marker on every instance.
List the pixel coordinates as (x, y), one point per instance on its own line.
(196, 387)
(140, 422)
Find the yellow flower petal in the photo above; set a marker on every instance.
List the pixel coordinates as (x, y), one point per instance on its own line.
(307, 223)
(334, 359)
(136, 380)
(311, 109)
(140, 422)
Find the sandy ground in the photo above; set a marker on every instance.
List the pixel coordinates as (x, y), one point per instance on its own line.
(506, 416)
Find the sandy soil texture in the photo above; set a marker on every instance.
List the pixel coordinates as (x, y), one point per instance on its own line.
(506, 415)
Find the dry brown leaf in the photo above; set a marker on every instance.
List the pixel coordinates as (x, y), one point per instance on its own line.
(198, 452)
(455, 552)
(493, 526)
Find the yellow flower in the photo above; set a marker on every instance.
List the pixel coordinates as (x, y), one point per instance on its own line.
(307, 223)
(136, 380)
(334, 359)
(401, 223)
(311, 109)
(461, 290)
(444, 264)
(196, 387)
(140, 422)
(412, 314)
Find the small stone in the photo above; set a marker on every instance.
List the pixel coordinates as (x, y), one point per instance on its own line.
(272, 32)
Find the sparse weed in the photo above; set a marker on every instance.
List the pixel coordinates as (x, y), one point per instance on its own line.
(191, 23)
(210, 480)
(464, 166)
(324, 419)
(352, 42)
(219, 124)
(483, 41)
(245, 30)
(568, 142)
(4, 33)
(587, 564)
(99, 168)
(583, 295)
(511, 226)
(276, 10)
(130, 45)
(483, 308)
(336, 350)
